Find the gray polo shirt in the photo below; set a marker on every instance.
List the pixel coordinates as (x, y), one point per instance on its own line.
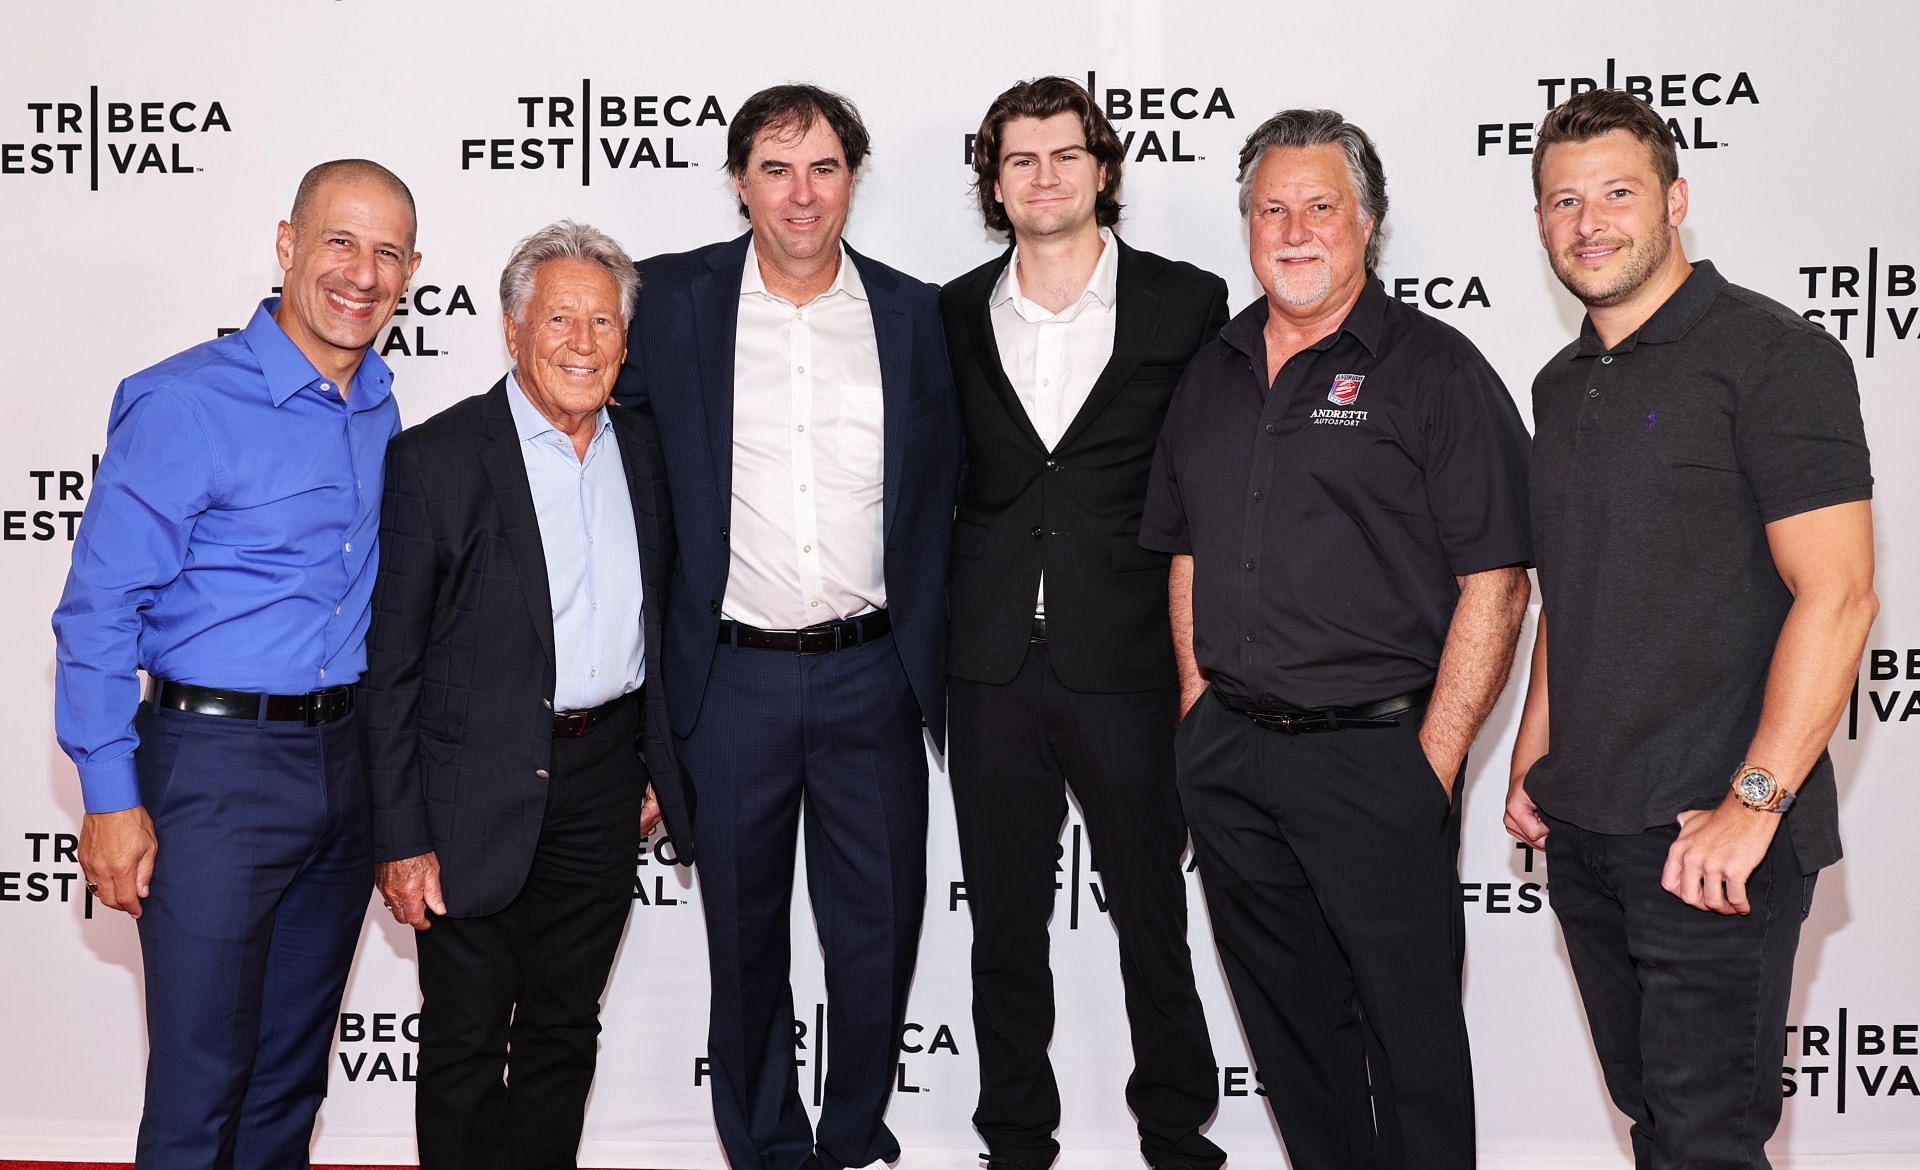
(1657, 466)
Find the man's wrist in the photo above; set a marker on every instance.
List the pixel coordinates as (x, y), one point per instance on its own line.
(1758, 789)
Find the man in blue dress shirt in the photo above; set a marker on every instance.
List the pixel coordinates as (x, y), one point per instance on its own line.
(228, 551)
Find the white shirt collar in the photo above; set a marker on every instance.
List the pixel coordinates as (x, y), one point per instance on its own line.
(847, 280)
(1102, 286)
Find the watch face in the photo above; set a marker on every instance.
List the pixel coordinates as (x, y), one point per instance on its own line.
(1755, 788)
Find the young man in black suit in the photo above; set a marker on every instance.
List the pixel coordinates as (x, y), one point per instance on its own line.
(1065, 351)
(516, 718)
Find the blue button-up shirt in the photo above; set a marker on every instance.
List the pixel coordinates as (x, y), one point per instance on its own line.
(593, 556)
(228, 540)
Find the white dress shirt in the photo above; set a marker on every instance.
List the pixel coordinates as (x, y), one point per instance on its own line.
(1053, 359)
(805, 540)
(592, 551)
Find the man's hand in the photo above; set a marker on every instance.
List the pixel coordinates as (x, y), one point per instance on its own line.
(1523, 819)
(1709, 863)
(649, 814)
(410, 887)
(117, 851)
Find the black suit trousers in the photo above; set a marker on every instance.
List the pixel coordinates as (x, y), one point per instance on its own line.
(528, 978)
(1017, 747)
(1328, 860)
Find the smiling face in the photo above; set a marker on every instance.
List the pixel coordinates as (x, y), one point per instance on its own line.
(1307, 235)
(1608, 227)
(797, 188)
(569, 342)
(346, 264)
(1048, 179)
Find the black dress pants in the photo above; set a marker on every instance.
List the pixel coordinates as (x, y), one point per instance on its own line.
(527, 979)
(1329, 865)
(1687, 1006)
(1016, 748)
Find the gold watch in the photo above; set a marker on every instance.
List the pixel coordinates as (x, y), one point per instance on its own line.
(1760, 790)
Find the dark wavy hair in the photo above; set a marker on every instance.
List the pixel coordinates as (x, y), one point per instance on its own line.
(1044, 97)
(1586, 116)
(793, 108)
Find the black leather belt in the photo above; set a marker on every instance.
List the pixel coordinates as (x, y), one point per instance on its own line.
(1384, 713)
(574, 724)
(1038, 636)
(821, 639)
(313, 708)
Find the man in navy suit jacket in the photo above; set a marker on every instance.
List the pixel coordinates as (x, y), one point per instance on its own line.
(812, 443)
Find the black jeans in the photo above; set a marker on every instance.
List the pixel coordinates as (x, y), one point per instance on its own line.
(1687, 1007)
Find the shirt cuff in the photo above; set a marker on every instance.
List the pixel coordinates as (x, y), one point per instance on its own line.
(109, 785)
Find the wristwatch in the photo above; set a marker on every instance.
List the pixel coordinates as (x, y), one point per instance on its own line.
(1760, 790)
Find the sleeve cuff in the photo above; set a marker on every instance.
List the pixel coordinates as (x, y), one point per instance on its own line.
(109, 785)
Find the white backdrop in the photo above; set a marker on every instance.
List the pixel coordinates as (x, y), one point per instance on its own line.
(146, 152)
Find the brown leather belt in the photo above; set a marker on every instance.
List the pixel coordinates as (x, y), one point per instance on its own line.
(574, 724)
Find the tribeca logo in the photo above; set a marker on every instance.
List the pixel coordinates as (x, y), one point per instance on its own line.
(409, 338)
(1846, 1058)
(382, 1046)
(1440, 292)
(1073, 862)
(60, 495)
(54, 878)
(115, 137)
(1154, 104)
(1886, 704)
(658, 893)
(810, 1053)
(1666, 92)
(613, 131)
(1842, 307)
(1527, 896)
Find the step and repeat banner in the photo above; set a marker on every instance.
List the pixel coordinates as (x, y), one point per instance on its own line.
(147, 151)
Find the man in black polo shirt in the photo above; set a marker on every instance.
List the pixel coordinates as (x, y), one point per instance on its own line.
(1342, 484)
(1700, 495)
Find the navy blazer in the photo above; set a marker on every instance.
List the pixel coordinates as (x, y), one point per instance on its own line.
(680, 368)
(458, 692)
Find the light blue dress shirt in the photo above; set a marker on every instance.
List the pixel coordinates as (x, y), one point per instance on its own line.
(593, 557)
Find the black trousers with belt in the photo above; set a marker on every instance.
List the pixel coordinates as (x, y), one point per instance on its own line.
(1016, 748)
(527, 979)
(1329, 864)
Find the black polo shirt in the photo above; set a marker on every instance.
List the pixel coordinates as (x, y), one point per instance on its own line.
(1657, 467)
(1329, 514)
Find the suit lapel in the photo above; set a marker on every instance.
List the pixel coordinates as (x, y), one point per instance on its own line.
(893, 338)
(507, 473)
(716, 315)
(1136, 318)
(637, 460)
(980, 320)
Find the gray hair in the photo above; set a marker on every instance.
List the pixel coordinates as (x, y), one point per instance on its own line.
(1298, 128)
(567, 240)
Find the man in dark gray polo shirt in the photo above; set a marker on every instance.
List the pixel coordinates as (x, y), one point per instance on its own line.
(1342, 483)
(1705, 544)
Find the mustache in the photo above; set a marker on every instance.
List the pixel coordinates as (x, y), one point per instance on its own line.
(1310, 252)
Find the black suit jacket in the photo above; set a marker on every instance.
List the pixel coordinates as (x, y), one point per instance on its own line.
(1073, 512)
(460, 662)
(680, 366)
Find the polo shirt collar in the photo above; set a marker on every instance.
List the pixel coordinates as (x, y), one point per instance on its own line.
(1367, 321)
(288, 371)
(1671, 321)
(847, 280)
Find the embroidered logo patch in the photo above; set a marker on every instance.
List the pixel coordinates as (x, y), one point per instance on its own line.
(1346, 388)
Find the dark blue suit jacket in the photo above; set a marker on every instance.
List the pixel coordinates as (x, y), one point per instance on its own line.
(680, 368)
(460, 660)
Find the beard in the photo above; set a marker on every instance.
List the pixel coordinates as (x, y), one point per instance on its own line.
(1643, 258)
(1302, 286)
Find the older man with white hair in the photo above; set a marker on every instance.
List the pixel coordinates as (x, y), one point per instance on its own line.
(519, 733)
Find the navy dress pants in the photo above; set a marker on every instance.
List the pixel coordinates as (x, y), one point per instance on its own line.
(837, 737)
(258, 895)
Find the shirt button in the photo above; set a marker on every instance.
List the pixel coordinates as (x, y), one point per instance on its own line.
(1593, 392)
(1259, 496)
(1607, 360)
(1046, 382)
(1053, 465)
(326, 387)
(803, 487)
(593, 674)
(350, 543)
(540, 772)
(813, 605)
(799, 369)
(336, 611)
(801, 427)
(1269, 428)
(1249, 566)
(1037, 533)
(323, 672)
(806, 548)
(1249, 637)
